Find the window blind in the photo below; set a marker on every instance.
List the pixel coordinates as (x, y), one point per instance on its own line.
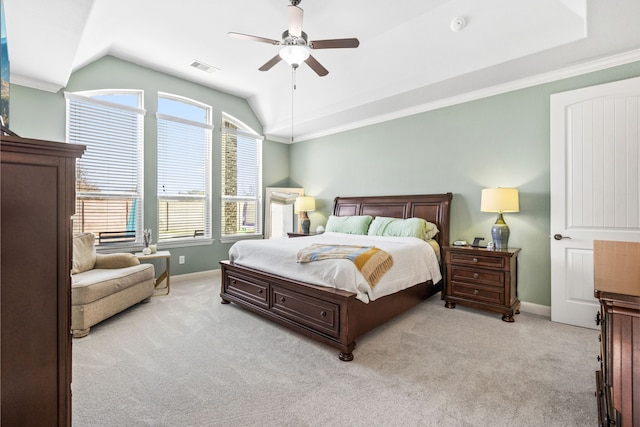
(241, 214)
(184, 184)
(109, 174)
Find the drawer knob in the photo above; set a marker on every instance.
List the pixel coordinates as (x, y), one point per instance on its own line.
(282, 299)
(233, 282)
(475, 275)
(475, 260)
(323, 314)
(475, 292)
(259, 291)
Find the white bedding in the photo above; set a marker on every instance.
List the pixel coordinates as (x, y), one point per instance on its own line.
(414, 261)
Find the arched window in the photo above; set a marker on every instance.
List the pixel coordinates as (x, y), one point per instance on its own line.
(184, 169)
(109, 174)
(241, 180)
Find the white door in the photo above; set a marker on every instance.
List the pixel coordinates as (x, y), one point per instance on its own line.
(595, 188)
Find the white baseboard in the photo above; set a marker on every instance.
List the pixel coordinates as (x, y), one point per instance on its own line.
(541, 310)
(196, 275)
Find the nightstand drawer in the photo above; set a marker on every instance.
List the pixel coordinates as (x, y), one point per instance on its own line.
(478, 293)
(477, 276)
(477, 260)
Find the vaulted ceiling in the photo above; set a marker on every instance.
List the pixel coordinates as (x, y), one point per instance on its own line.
(409, 56)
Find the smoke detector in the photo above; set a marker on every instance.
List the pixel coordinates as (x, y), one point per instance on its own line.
(457, 24)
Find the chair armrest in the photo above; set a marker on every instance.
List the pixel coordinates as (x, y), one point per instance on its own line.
(118, 260)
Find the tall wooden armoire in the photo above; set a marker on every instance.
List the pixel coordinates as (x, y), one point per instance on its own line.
(37, 184)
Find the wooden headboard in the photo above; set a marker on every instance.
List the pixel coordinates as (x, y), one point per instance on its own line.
(431, 207)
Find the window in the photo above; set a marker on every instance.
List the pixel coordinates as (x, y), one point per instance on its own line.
(184, 171)
(109, 174)
(241, 181)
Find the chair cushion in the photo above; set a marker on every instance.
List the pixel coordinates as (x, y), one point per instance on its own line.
(117, 260)
(84, 252)
(98, 283)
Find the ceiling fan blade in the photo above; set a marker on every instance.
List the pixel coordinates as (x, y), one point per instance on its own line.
(294, 16)
(334, 43)
(253, 38)
(316, 66)
(270, 63)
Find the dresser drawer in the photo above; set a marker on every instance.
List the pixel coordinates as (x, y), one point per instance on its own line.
(256, 292)
(477, 276)
(478, 293)
(478, 260)
(321, 315)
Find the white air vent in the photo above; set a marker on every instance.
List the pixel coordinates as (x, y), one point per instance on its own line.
(204, 67)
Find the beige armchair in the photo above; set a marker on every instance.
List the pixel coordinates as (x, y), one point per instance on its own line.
(104, 284)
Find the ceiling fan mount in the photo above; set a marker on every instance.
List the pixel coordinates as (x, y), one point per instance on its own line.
(296, 45)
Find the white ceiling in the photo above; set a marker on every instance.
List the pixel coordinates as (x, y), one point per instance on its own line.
(408, 58)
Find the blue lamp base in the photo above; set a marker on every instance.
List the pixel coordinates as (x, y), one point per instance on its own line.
(500, 233)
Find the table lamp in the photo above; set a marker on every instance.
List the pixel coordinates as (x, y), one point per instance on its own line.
(500, 200)
(303, 205)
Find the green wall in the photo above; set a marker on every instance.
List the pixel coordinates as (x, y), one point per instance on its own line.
(39, 114)
(501, 140)
(498, 141)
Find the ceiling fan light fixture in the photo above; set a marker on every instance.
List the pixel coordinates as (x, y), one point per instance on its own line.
(294, 55)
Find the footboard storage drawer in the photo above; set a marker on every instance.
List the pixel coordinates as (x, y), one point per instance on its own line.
(249, 289)
(322, 316)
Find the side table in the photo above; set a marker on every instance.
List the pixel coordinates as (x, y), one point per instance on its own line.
(165, 275)
(482, 278)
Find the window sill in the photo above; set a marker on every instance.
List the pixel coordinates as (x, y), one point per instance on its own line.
(162, 246)
(238, 237)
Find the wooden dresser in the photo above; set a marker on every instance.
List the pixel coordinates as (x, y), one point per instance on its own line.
(482, 278)
(38, 198)
(617, 286)
(618, 380)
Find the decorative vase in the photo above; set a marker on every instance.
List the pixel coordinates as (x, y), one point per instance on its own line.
(146, 251)
(500, 233)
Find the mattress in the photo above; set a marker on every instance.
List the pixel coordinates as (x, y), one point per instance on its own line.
(414, 261)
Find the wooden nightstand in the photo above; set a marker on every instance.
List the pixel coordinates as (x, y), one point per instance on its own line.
(482, 278)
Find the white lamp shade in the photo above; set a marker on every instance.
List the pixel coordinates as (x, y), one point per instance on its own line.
(500, 200)
(305, 204)
(294, 55)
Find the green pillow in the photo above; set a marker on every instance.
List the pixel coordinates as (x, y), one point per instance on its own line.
(349, 224)
(410, 227)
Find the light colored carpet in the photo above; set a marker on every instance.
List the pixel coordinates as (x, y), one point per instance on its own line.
(187, 360)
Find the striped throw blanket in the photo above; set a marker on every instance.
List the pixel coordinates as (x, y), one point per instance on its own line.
(370, 261)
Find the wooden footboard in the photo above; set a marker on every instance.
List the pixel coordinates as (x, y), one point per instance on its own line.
(328, 315)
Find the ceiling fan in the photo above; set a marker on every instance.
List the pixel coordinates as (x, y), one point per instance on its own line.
(296, 45)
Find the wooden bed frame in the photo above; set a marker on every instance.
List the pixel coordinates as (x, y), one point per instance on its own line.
(329, 315)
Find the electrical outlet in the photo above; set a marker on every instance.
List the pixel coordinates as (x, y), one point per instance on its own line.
(181, 259)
